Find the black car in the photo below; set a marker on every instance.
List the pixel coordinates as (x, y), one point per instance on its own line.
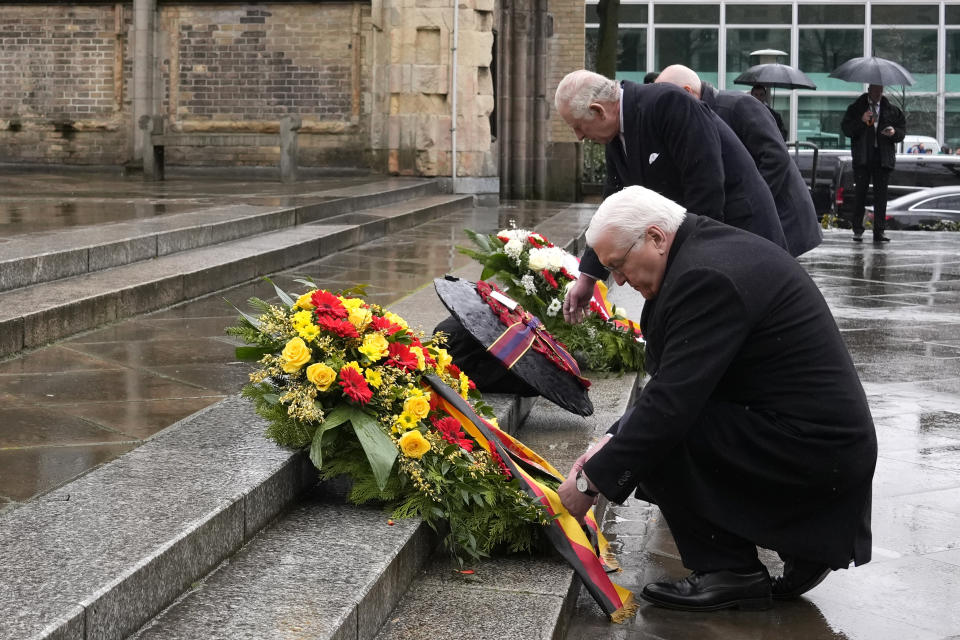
(911, 173)
(923, 209)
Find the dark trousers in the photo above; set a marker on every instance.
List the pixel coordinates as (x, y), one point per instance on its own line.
(702, 545)
(863, 176)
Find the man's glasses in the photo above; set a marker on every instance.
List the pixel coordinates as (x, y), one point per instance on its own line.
(623, 258)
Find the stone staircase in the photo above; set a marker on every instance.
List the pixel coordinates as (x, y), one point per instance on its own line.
(55, 284)
(209, 530)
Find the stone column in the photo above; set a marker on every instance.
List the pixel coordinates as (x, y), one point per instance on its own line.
(144, 24)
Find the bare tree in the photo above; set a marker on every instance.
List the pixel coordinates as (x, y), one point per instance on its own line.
(606, 58)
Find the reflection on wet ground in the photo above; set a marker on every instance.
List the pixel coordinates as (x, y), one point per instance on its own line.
(39, 201)
(897, 307)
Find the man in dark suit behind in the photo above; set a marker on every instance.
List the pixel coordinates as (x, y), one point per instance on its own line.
(753, 428)
(874, 127)
(659, 137)
(750, 119)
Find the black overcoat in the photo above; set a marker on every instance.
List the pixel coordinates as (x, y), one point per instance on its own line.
(679, 148)
(861, 136)
(752, 122)
(753, 415)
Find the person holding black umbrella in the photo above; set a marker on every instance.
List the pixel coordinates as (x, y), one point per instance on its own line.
(874, 127)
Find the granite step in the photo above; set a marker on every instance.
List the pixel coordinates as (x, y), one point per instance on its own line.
(34, 258)
(36, 315)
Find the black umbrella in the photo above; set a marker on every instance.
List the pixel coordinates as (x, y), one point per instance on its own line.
(873, 70)
(533, 368)
(774, 74)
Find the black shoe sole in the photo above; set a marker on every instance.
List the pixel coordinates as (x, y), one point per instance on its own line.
(796, 592)
(744, 604)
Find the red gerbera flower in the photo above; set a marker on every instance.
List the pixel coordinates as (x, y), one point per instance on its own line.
(450, 431)
(379, 323)
(401, 357)
(342, 328)
(453, 370)
(550, 279)
(354, 385)
(566, 274)
(328, 304)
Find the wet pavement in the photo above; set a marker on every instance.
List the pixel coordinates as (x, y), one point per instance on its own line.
(898, 307)
(78, 403)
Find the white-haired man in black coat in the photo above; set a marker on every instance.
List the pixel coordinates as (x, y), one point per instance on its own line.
(753, 428)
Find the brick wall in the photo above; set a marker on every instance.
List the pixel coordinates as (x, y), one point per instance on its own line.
(566, 54)
(58, 96)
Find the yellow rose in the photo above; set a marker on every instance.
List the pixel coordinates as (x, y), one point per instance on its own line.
(295, 354)
(374, 346)
(305, 301)
(413, 444)
(418, 406)
(395, 319)
(360, 318)
(321, 375)
(374, 378)
(421, 362)
(443, 358)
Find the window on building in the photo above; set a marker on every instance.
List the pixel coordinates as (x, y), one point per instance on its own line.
(823, 50)
(740, 42)
(695, 48)
(759, 14)
(631, 54)
(952, 70)
(686, 13)
(819, 118)
(920, 110)
(820, 14)
(915, 49)
(905, 13)
(951, 130)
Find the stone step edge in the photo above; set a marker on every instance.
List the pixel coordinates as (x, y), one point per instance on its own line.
(220, 226)
(35, 325)
(150, 583)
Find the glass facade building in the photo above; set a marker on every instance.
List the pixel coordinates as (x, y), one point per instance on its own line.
(716, 39)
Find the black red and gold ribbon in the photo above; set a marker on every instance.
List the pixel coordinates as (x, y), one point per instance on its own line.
(569, 537)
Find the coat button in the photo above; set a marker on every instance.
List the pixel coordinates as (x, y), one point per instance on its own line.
(624, 478)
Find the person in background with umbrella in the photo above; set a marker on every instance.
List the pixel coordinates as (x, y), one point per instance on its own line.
(759, 92)
(757, 131)
(874, 127)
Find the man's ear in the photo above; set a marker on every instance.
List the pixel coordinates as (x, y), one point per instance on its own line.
(597, 109)
(658, 237)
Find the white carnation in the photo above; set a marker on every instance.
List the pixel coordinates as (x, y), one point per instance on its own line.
(554, 307)
(528, 284)
(555, 258)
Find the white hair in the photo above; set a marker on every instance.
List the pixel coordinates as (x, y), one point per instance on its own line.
(579, 89)
(683, 77)
(627, 214)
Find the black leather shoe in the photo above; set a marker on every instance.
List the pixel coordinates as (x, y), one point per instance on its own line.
(881, 239)
(858, 236)
(799, 576)
(709, 591)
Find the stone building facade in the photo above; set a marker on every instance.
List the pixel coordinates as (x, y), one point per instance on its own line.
(371, 82)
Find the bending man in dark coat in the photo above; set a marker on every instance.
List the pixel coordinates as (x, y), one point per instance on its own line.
(753, 124)
(874, 127)
(659, 137)
(753, 428)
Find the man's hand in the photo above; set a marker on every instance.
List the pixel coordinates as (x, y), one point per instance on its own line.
(888, 131)
(577, 300)
(576, 502)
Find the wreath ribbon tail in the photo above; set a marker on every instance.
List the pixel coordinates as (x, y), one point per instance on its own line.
(567, 535)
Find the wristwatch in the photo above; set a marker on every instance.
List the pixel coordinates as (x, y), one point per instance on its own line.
(584, 487)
